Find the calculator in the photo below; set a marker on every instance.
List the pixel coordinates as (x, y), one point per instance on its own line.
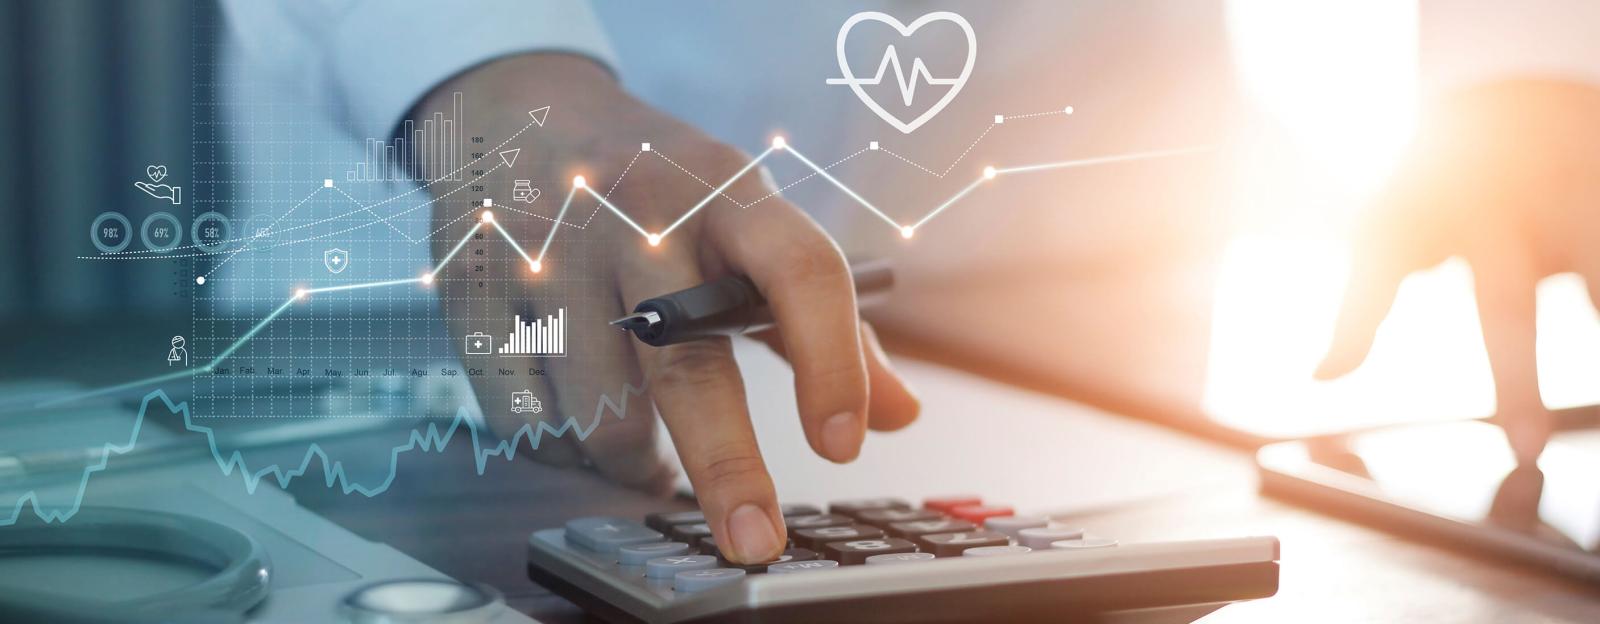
(950, 559)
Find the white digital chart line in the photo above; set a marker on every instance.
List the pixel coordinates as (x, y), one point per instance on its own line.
(537, 262)
(603, 203)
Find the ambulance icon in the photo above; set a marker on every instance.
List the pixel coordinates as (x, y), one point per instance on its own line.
(524, 401)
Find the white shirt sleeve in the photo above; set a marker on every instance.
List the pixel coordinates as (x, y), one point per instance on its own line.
(1467, 42)
(376, 58)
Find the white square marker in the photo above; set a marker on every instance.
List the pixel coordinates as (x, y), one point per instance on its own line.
(873, 145)
(644, 147)
(999, 118)
(327, 183)
(488, 202)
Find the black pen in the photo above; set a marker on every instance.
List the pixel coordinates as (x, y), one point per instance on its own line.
(725, 307)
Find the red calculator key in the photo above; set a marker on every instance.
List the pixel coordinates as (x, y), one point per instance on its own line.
(944, 504)
(976, 514)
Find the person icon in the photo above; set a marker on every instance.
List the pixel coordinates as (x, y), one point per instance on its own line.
(178, 353)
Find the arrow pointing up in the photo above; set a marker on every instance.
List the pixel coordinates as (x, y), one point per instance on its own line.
(509, 157)
(539, 115)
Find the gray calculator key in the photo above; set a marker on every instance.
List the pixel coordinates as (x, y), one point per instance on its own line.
(893, 558)
(853, 508)
(796, 509)
(1042, 537)
(815, 538)
(667, 567)
(802, 566)
(788, 556)
(690, 581)
(815, 521)
(689, 533)
(637, 554)
(952, 544)
(606, 534)
(855, 552)
(664, 521)
(883, 517)
(996, 551)
(1085, 543)
(709, 546)
(918, 528)
(1011, 524)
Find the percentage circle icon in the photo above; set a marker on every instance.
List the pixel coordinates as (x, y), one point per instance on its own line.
(161, 239)
(210, 237)
(120, 233)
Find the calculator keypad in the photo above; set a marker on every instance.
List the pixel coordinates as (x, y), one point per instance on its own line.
(678, 550)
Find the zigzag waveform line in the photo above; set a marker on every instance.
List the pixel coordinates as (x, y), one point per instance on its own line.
(907, 84)
(906, 230)
(430, 439)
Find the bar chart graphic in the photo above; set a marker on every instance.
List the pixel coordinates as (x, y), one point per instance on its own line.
(431, 152)
(545, 337)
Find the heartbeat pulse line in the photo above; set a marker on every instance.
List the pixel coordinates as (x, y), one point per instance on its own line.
(430, 439)
(907, 84)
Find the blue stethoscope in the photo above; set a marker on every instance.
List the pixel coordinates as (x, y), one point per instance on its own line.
(241, 576)
(241, 573)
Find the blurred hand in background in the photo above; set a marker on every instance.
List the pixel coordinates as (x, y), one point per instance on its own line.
(1507, 176)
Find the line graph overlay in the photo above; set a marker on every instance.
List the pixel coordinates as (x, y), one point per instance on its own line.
(603, 202)
(429, 439)
(298, 295)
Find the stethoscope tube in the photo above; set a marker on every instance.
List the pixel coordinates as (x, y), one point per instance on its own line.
(242, 576)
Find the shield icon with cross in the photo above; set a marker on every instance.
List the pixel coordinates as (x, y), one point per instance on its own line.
(336, 260)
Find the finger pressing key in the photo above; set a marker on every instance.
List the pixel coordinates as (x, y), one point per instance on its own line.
(697, 388)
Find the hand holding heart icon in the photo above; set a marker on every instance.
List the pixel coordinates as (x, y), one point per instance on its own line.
(891, 61)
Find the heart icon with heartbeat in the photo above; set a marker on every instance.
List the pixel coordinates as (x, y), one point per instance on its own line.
(891, 62)
(157, 173)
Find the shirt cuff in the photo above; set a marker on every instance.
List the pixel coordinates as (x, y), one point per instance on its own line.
(388, 55)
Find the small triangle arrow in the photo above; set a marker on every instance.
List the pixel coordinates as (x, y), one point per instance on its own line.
(539, 115)
(509, 157)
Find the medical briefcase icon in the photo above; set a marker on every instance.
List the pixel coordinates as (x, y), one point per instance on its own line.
(479, 343)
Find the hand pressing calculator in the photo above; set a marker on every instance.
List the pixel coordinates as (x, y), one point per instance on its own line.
(954, 559)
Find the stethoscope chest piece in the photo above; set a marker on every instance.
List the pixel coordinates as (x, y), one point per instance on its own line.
(422, 601)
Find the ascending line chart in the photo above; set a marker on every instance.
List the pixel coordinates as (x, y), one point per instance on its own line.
(580, 185)
(536, 262)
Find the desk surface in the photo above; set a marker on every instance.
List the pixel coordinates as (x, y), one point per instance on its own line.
(473, 528)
